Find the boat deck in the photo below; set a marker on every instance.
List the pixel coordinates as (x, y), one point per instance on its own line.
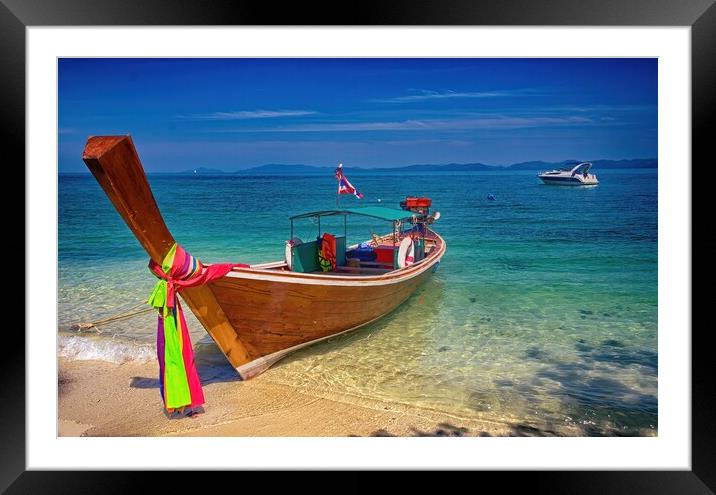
(359, 268)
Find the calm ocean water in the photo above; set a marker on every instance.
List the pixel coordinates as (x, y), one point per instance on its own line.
(543, 313)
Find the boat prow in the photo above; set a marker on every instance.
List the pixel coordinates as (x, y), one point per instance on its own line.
(258, 314)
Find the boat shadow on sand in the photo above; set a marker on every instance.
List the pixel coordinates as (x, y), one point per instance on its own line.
(211, 366)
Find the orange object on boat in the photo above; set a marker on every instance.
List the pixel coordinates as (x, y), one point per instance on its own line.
(413, 202)
(328, 249)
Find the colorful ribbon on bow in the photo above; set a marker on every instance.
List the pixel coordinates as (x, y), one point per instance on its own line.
(178, 379)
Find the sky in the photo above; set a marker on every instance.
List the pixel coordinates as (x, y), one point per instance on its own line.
(232, 114)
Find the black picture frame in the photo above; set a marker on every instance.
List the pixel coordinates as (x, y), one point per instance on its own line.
(700, 15)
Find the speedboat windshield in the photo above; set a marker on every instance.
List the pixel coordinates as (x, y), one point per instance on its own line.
(582, 168)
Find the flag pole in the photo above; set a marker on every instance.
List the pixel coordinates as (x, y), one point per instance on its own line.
(339, 172)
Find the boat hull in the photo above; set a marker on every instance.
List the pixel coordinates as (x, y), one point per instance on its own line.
(567, 181)
(274, 315)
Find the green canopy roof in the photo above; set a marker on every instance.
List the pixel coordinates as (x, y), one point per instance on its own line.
(389, 214)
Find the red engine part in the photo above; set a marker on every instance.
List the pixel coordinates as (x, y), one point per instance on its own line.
(413, 202)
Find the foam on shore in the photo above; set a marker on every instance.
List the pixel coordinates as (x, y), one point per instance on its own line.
(76, 347)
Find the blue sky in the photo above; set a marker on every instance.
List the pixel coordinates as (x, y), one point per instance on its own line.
(238, 113)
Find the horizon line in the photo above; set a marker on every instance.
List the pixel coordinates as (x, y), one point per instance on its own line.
(357, 167)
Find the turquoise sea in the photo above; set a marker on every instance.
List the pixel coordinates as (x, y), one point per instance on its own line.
(543, 312)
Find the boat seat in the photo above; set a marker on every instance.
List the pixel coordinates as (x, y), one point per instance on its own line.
(362, 270)
(375, 264)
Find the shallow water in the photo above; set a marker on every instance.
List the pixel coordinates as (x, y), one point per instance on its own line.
(543, 312)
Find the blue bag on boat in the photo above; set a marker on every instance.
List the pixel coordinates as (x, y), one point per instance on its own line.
(363, 252)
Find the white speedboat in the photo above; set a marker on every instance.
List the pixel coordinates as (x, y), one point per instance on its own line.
(576, 176)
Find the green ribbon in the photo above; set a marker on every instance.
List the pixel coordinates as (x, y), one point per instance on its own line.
(176, 384)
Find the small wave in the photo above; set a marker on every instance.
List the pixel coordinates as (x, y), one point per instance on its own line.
(114, 351)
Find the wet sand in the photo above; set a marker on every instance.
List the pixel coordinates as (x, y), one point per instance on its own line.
(98, 398)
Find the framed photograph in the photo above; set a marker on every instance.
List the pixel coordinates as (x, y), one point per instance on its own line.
(564, 343)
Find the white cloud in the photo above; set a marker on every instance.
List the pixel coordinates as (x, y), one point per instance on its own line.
(248, 114)
(495, 122)
(426, 94)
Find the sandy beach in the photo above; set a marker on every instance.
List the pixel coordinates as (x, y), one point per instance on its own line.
(98, 398)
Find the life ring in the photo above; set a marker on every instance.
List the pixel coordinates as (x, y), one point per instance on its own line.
(406, 253)
(289, 244)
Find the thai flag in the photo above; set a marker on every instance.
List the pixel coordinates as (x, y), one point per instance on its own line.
(344, 185)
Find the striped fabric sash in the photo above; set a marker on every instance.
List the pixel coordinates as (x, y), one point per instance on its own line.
(178, 379)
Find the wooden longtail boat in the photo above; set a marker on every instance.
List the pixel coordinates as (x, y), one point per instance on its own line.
(257, 315)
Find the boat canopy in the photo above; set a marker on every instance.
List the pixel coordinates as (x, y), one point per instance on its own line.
(582, 168)
(380, 212)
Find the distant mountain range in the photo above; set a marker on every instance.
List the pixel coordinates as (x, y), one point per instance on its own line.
(274, 168)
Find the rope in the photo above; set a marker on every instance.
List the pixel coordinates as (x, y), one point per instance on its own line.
(129, 313)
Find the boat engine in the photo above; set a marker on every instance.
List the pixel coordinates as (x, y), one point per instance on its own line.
(419, 206)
